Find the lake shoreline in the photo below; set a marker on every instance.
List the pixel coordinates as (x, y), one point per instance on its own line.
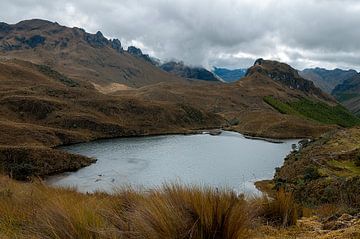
(212, 136)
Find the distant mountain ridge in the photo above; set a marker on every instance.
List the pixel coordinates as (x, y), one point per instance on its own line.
(325, 79)
(344, 85)
(229, 75)
(348, 93)
(190, 72)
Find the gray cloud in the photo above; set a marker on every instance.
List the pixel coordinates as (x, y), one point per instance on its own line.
(230, 33)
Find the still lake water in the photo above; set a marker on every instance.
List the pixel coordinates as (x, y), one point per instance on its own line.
(228, 160)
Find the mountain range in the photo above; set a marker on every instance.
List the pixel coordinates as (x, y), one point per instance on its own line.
(325, 79)
(344, 85)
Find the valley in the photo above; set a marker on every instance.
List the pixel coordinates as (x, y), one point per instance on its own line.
(63, 88)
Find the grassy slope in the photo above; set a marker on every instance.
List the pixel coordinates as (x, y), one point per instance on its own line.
(317, 111)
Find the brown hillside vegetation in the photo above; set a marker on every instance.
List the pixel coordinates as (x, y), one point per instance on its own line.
(326, 171)
(37, 211)
(42, 107)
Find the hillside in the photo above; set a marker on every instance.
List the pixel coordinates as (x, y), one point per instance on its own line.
(41, 107)
(243, 103)
(325, 79)
(190, 72)
(325, 171)
(78, 54)
(229, 75)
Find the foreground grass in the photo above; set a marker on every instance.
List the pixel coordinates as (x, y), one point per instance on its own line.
(317, 111)
(32, 210)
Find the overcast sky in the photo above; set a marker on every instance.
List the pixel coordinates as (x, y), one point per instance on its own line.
(227, 33)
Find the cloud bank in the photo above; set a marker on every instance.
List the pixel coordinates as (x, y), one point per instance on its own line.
(225, 33)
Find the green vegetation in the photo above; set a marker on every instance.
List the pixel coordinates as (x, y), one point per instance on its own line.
(345, 168)
(317, 111)
(357, 160)
(311, 173)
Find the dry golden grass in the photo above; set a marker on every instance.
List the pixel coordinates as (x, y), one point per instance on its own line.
(33, 210)
(281, 210)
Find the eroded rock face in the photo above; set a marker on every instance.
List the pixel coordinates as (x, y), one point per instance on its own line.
(96, 40)
(116, 44)
(134, 51)
(138, 53)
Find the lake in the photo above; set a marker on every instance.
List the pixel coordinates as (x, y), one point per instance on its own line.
(228, 160)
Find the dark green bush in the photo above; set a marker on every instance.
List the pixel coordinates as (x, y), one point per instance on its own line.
(357, 160)
(311, 173)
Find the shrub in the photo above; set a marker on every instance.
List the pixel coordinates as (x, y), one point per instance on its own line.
(311, 173)
(357, 160)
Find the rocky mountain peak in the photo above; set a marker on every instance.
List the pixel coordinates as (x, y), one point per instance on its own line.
(286, 75)
(134, 51)
(116, 44)
(96, 40)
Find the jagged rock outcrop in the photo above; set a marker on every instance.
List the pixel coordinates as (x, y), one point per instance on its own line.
(96, 40)
(116, 44)
(139, 54)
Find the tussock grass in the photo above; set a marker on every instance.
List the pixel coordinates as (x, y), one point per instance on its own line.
(33, 210)
(282, 210)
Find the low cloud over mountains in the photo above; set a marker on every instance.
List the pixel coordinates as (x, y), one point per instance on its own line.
(222, 33)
